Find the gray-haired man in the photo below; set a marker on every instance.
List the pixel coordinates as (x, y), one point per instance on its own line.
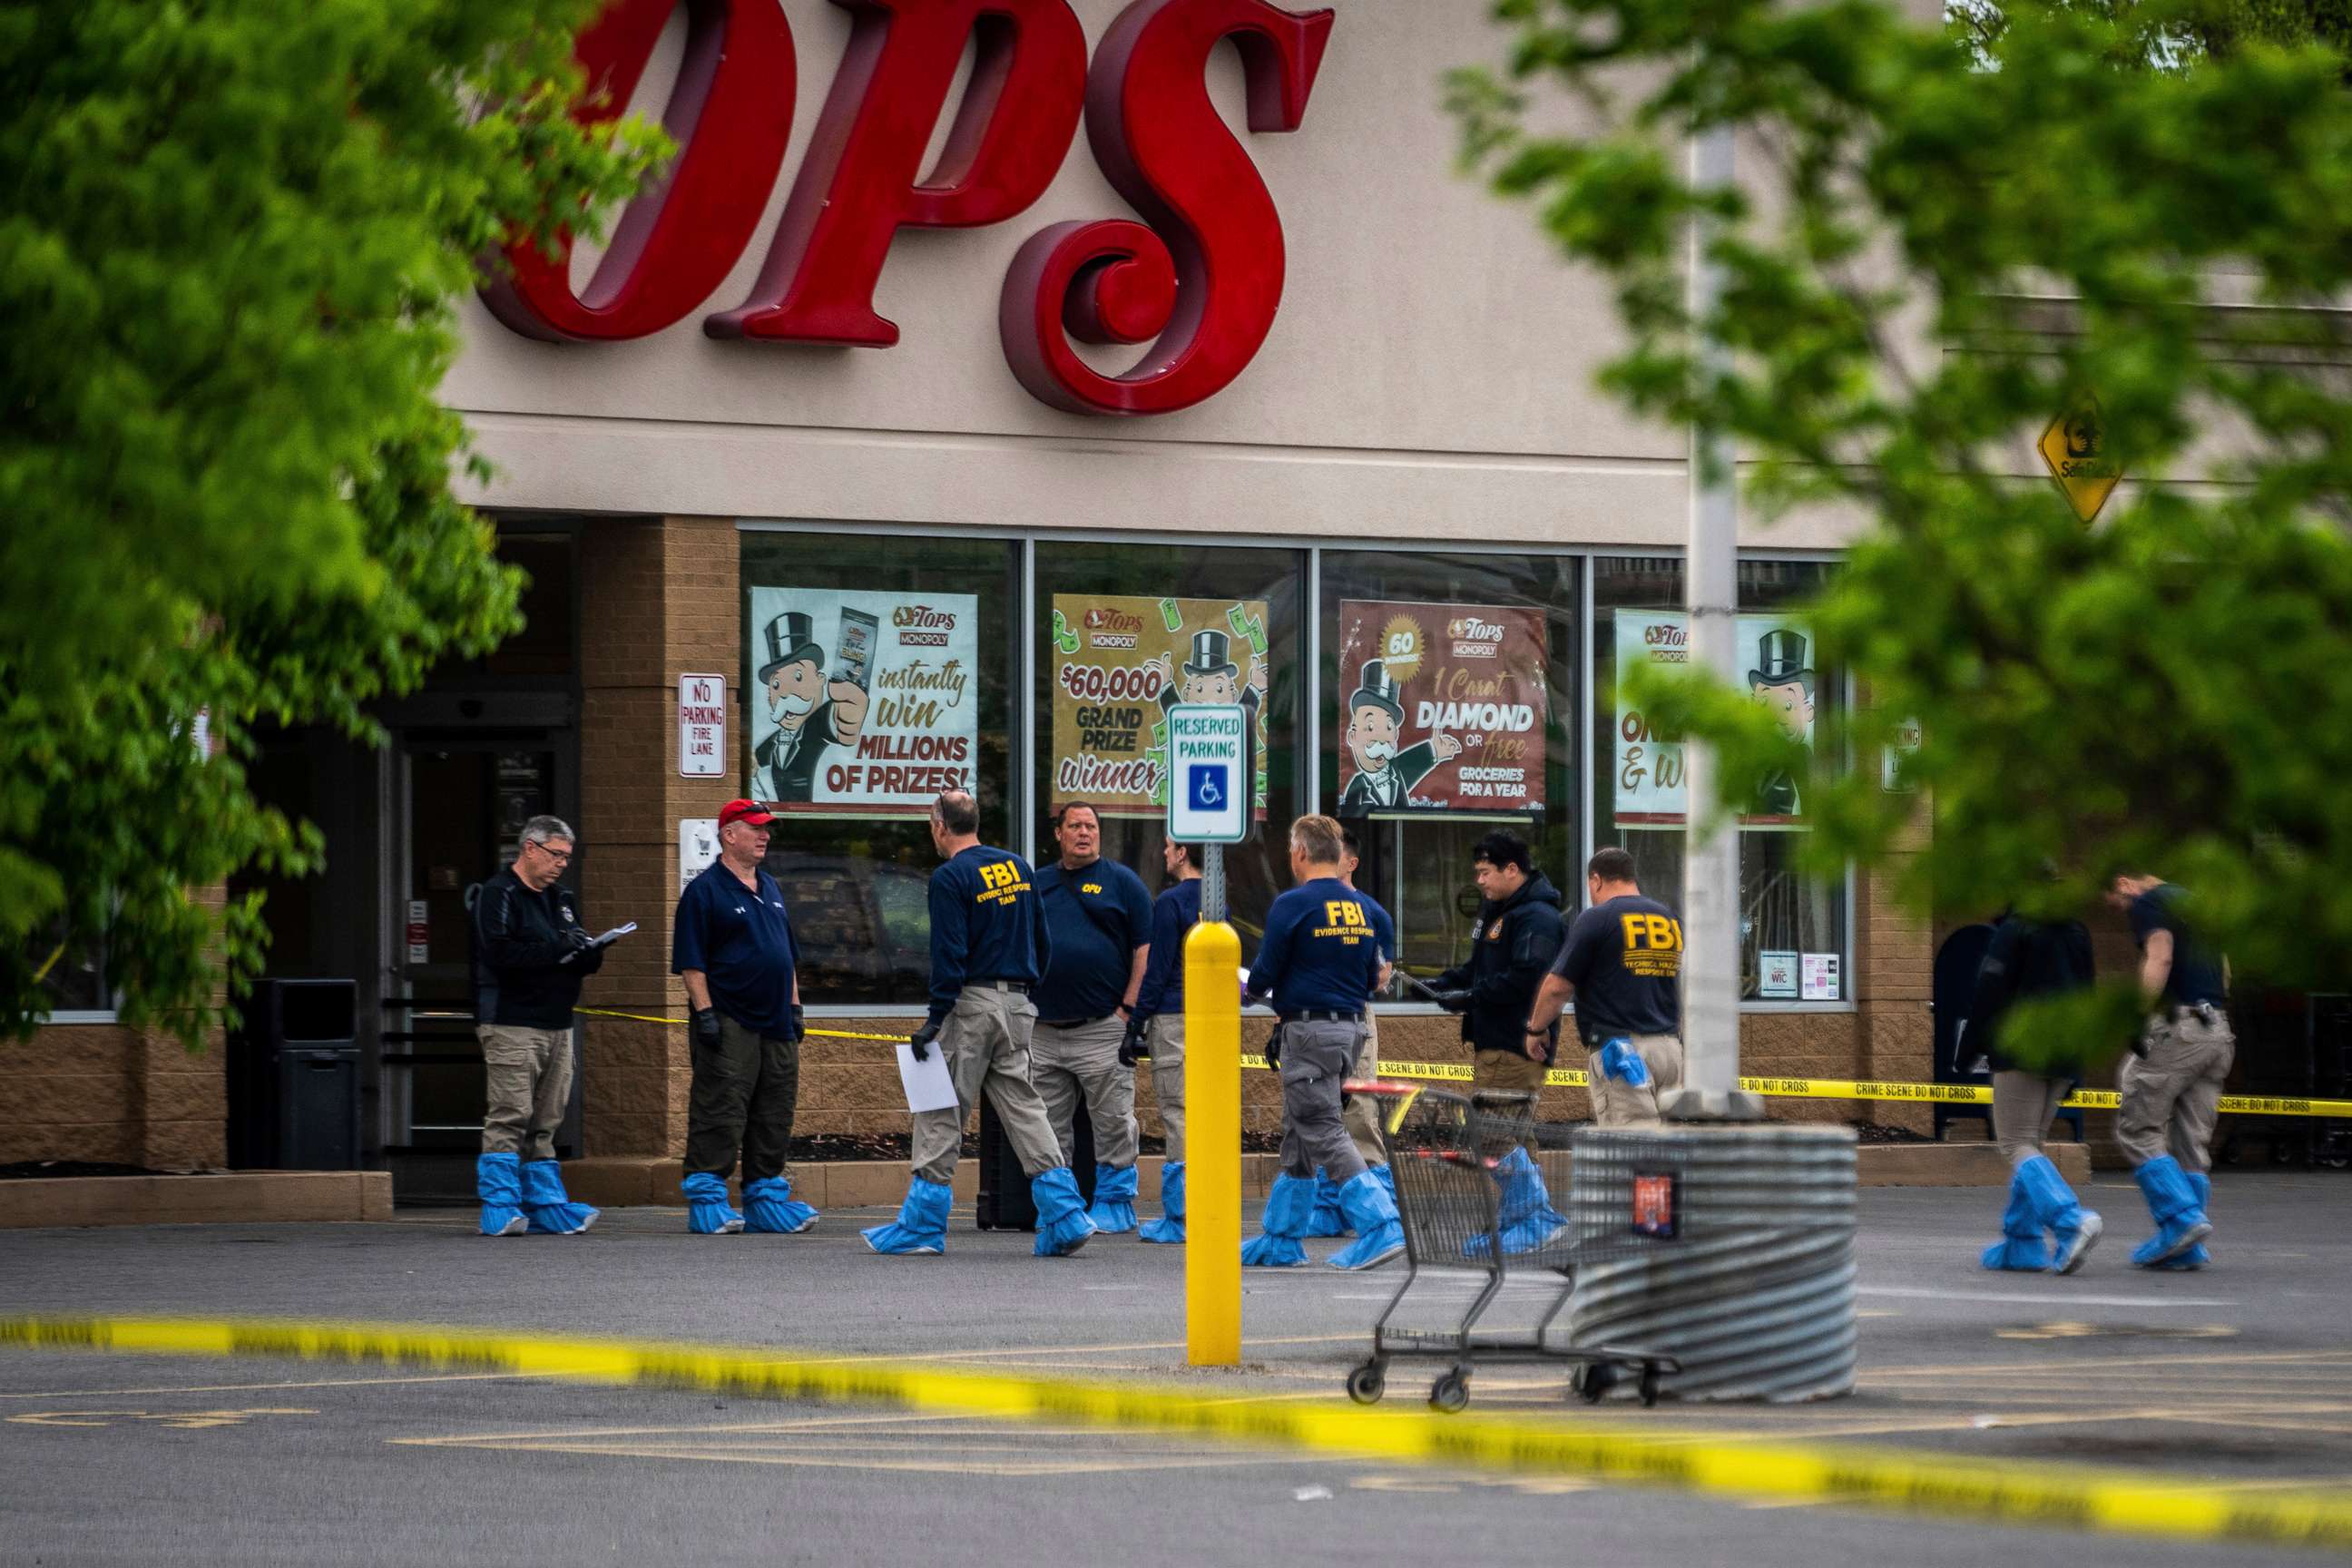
(530, 955)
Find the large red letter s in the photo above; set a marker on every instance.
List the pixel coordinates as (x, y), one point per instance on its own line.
(730, 113)
(1206, 277)
(862, 179)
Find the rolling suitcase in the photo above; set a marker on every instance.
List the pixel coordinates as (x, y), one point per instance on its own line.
(1005, 1203)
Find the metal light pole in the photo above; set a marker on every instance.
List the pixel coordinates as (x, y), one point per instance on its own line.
(1710, 970)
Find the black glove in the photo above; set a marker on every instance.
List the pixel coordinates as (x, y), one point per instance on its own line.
(1137, 1046)
(704, 1024)
(922, 1038)
(1452, 1000)
(797, 1030)
(576, 939)
(1274, 1047)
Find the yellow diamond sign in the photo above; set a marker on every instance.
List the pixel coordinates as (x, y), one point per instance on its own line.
(2075, 447)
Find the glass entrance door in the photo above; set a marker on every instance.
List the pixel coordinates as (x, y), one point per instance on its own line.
(462, 803)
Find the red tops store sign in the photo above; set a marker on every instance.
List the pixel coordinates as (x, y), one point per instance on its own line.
(1199, 278)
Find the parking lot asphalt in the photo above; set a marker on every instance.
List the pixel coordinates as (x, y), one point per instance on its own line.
(2240, 1376)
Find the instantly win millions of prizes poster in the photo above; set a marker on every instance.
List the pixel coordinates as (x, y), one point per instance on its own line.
(861, 704)
(1444, 709)
(1119, 663)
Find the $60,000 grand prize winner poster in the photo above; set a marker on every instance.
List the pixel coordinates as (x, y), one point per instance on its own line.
(861, 703)
(1119, 662)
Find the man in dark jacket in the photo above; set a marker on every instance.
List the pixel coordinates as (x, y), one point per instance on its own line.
(529, 956)
(2030, 958)
(1517, 934)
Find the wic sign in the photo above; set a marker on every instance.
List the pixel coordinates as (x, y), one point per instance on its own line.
(1199, 279)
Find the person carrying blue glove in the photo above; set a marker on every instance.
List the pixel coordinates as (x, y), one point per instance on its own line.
(1623, 963)
(988, 945)
(1319, 963)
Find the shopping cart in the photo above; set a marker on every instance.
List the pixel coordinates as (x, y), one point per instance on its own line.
(1476, 1185)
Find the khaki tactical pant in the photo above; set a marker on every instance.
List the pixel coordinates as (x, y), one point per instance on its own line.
(744, 1096)
(1166, 1033)
(1316, 1059)
(1082, 1063)
(2023, 1105)
(1505, 1073)
(529, 1075)
(2171, 1095)
(1619, 1104)
(986, 1039)
(1360, 1114)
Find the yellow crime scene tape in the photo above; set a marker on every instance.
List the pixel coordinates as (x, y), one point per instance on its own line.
(1773, 1088)
(2030, 1493)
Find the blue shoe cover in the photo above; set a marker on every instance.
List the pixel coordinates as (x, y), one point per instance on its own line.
(769, 1208)
(1170, 1227)
(2073, 1229)
(1327, 1218)
(1288, 1207)
(1379, 1235)
(2022, 1245)
(2172, 1202)
(551, 1208)
(2195, 1256)
(498, 1181)
(1526, 1217)
(708, 1212)
(922, 1222)
(1113, 1211)
(1063, 1226)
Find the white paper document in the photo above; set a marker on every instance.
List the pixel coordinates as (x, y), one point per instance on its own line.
(926, 1083)
(599, 943)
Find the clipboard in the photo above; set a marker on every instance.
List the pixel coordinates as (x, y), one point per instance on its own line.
(602, 942)
(926, 1082)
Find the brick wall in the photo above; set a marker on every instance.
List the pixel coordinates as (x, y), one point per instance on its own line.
(658, 599)
(112, 1095)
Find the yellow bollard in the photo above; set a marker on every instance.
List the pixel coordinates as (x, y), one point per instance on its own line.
(1212, 1145)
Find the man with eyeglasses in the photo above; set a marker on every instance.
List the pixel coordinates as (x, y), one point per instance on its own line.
(530, 955)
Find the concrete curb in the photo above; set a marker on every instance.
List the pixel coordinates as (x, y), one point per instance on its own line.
(224, 1198)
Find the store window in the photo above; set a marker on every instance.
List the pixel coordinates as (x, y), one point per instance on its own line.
(876, 673)
(1124, 630)
(72, 977)
(1792, 928)
(1449, 703)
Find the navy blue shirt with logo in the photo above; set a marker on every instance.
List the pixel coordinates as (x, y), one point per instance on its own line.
(740, 937)
(1175, 913)
(985, 924)
(1322, 950)
(2196, 974)
(1096, 917)
(1626, 959)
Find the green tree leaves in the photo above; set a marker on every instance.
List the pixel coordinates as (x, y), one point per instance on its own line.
(232, 238)
(1944, 236)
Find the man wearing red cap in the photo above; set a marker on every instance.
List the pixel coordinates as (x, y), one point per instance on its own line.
(733, 948)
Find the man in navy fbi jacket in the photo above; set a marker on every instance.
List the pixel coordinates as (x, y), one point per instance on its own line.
(1099, 925)
(1156, 1027)
(988, 947)
(1320, 961)
(733, 948)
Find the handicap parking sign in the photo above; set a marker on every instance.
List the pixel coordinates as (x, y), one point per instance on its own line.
(1206, 786)
(1208, 749)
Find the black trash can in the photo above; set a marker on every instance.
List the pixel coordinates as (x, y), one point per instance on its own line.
(294, 1078)
(1003, 1188)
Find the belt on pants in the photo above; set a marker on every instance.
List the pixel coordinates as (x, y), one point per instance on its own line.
(1071, 1023)
(1018, 987)
(1322, 1016)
